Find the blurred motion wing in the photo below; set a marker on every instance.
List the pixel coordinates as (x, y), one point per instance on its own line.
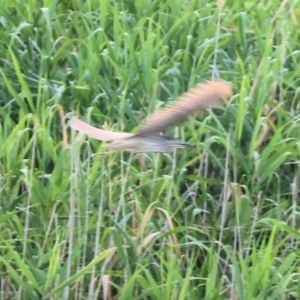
(96, 133)
(202, 96)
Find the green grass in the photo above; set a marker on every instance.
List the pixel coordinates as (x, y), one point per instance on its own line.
(217, 221)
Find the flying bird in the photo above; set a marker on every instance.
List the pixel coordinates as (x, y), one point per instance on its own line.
(148, 138)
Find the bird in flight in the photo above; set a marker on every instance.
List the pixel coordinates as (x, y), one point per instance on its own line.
(148, 138)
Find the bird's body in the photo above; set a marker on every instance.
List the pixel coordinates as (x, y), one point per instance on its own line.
(148, 138)
(143, 144)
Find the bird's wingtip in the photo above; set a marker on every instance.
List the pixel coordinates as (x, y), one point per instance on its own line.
(223, 88)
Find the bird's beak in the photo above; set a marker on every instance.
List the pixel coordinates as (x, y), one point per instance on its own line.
(182, 145)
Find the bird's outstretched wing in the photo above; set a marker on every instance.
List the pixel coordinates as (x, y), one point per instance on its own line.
(202, 96)
(96, 133)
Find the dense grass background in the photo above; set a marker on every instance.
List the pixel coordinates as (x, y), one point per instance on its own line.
(218, 221)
